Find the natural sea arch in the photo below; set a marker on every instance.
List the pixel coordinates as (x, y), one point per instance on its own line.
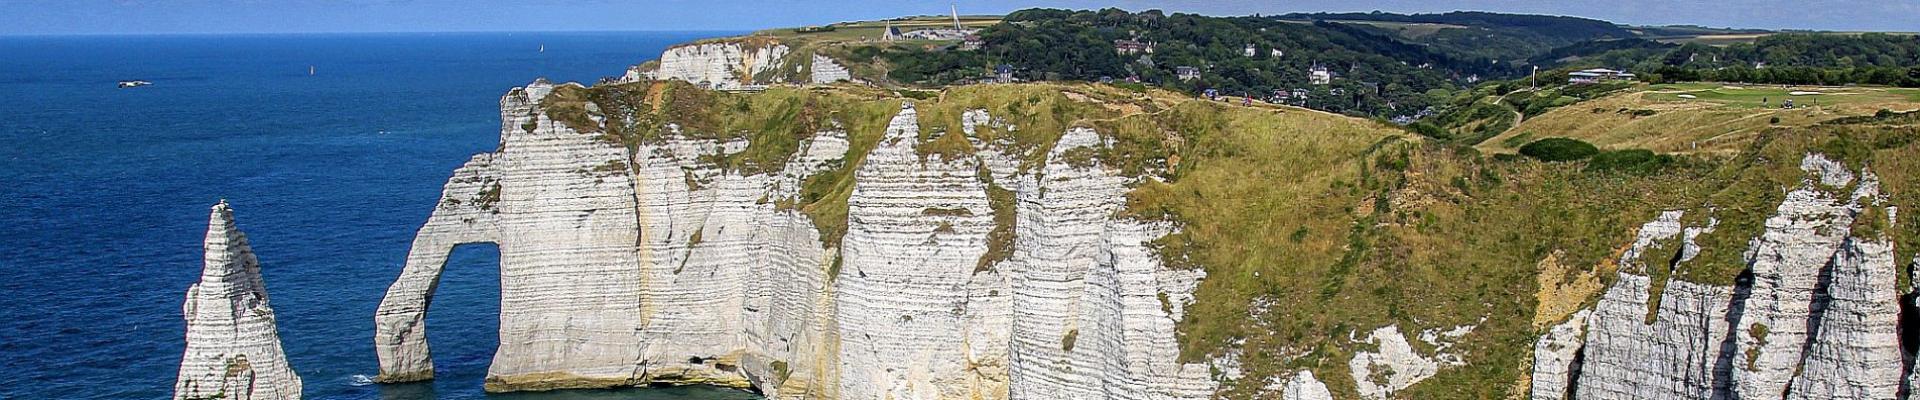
(465, 316)
(400, 336)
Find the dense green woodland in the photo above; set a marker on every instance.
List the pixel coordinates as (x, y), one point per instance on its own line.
(1379, 75)
(1488, 35)
(1380, 70)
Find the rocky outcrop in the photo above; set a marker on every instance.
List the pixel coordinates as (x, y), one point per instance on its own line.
(1088, 291)
(1556, 358)
(916, 229)
(1303, 386)
(724, 65)
(647, 265)
(738, 65)
(561, 208)
(1814, 316)
(1394, 366)
(233, 343)
(825, 70)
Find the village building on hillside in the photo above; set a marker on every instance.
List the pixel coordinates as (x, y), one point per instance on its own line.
(971, 43)
(1318, 75)
(1130, 47)
(1276, 53)
(1003, 73)
(939, 34)
(1250, 50)
(1186, 73)
(1597, 75)
(891, 34)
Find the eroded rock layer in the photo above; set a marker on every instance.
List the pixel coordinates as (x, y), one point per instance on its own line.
(1814, 317)
(651, 264)
(722, 65)
(233, 344)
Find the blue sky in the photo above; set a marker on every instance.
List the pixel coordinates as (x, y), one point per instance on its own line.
(32, 17)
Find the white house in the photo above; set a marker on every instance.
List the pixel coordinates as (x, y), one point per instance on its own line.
(1319, 75)
(1597, 75)
(1186, 73)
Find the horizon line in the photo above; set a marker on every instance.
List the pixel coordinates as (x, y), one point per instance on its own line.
(303, 33)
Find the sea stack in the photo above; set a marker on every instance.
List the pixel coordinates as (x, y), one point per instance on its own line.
(233, 343)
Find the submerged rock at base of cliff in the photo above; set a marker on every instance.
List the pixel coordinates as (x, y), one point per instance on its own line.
(233, 343)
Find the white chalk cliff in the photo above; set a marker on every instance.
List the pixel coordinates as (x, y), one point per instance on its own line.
(736, 64)
(1814, 317)
(654, 265)
(233, 343)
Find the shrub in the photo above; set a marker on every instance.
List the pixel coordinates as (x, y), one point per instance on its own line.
(1428, 130)
(1636, 161)
(1559, 149)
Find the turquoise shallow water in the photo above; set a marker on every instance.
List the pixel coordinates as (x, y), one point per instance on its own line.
(104, 195)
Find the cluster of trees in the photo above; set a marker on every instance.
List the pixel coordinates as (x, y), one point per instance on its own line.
(1787, 58)
(1888, 76)
(1381, 72)
(1492, 36)
(1377, 74)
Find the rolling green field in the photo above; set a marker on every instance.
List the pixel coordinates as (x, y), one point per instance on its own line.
(872, 30)
(1755, 96)
(1719, 118)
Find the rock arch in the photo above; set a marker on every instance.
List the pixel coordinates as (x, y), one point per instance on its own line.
(464, 216)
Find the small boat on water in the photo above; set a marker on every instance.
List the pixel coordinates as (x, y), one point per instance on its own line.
(133, 84)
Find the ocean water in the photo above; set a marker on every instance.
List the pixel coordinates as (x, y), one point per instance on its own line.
(104, 194)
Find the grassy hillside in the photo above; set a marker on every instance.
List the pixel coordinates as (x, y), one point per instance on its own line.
(1710, 118)
(1314, 228)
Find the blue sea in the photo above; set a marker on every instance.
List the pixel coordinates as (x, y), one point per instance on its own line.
(104, 195)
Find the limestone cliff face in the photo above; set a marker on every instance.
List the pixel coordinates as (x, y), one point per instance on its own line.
(735, 64)
(566, 228)
(916, 228)
(1815, 317)
(1089, 322)
(626, 267)
(233, 345)
(825, 70)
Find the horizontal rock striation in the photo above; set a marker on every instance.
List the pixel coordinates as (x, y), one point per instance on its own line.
(916, 229)
(1557, 358)
(741, 65)
(1815, 316)
(718, 65)
(560, 206)
(651, 264)
(825, 70)
(1087, 290)
(233, 345)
